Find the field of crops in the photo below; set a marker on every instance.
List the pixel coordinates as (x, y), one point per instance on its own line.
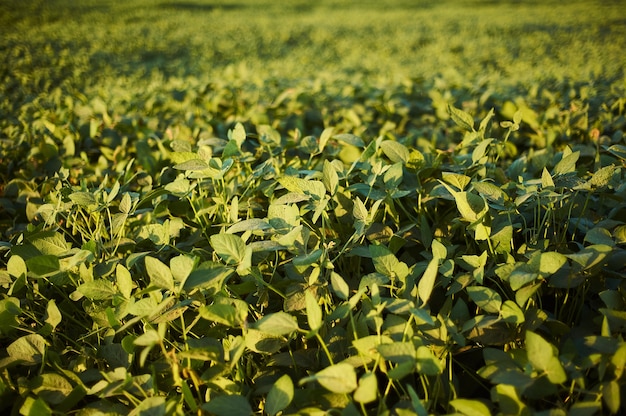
(265, 207)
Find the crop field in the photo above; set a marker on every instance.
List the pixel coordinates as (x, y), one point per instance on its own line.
(322, 207)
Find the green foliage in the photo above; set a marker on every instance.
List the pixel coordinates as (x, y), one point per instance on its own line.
(325, 229)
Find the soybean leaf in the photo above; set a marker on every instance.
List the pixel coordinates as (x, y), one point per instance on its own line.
(231, 248)
(124, 281)
(43, 265)
(100, 289)
(228, 406)
(396, 152)
(470, 407)
(485, 298)
(543, 357)
(330, 178)
(160, 275)
(367, 391)
(280, 395)
(339, 378)
(29, 349)
(278, 323)
(427, 281)
(339, 286)
(567, 164)
(461, 118)
(313, 312)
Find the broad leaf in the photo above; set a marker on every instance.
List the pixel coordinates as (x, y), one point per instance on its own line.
(231, 248)
(427, 281)
(278, 323)
(339, 378)
(280, 395)
(543, 357)
(100, 289)
(160, 275)
(29, 349)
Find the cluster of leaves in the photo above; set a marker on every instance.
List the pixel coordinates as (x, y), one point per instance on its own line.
(264, 272)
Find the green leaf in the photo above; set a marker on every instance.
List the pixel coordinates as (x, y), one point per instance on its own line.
(393, 177)
(512, 313)
(618, 150)
(509, 400)
(83, 199)
(149, 338)
(611, 395)
(427, 363)
(339, 286)
(303, 186)
(35, 407)
(396, 152)
(252, 224)
(192, 164)
(567, 164)
(16, 266)
(490, 191)
(160, 275)
(29, 349)
(124, 281)
(9, 311)
(485, 298)
(100, 289)
(231, 248)
(43, 265)
(547, 263)
(126, 203)
(152, 406)
(51, 387)
(313, 312)
(228, 406)
(470, 407)
(228, 314)
(427, 281)
(599, 235)
(339, 378)
(53, 316)
(280, 395)
(330, 179)
(461, 118)
(324, 137)
(181, 267)
(238, 134)
(589, 256)
(543, 357)
(278, 323)
(50, 243)
(456, 179)
(367, 391)
(546, 179)
(208, 276)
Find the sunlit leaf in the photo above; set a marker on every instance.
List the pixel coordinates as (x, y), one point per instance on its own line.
(367, 391)
(544, 357)
(461, 118)
(99, 289)
(278, 323)
(339, 378)
(280, 395)
(231, 248)
(396, 152)
(470, 407)
(160, 275)
(28, 349)
(427, 281)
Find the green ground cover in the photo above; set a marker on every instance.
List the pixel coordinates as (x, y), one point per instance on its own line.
(400, 207)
